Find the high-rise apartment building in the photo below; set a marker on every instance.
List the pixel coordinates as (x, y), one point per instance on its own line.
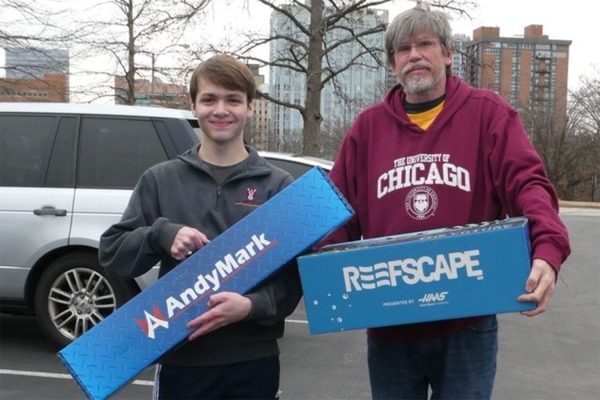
(356, 87)
(459, 58)
(529, 71)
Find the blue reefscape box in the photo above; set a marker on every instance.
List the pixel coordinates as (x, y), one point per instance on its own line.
(138, 333)
(417, 277)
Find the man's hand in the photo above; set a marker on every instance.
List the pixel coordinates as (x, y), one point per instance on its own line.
(187, 241)
(225, 308)
(539, 287)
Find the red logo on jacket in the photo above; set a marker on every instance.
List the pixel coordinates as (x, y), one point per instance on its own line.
(249, 198)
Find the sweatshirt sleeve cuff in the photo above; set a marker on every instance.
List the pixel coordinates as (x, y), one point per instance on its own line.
(258, 309)
(165, 233)
(550, 254)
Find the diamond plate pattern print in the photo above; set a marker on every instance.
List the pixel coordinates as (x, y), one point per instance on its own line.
(113, 353)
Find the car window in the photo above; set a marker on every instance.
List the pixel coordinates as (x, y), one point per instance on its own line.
(25, 145)
(115, 151)
(295, 169)
(61, 169)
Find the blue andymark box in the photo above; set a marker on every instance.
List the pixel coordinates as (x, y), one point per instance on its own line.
(417, 277)
(138, 333)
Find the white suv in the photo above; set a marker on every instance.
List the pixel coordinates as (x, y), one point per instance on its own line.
(295, 164)
(66, 174)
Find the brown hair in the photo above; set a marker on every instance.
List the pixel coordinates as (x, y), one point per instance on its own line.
(225, 71)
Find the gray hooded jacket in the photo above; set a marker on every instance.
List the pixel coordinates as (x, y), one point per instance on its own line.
(182, 192)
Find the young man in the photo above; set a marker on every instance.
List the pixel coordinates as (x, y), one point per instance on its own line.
(179, 206)
(437, 153)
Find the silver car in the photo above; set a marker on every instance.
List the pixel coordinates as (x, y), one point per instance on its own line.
(66, 175)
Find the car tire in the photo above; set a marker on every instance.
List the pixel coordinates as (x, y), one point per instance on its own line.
(74, 294)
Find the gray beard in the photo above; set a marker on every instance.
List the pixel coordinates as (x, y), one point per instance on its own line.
(419, 85)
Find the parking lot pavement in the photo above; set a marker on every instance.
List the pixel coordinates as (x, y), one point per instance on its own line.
(554, 356)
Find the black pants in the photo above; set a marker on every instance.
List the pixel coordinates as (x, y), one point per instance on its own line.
(255, 379)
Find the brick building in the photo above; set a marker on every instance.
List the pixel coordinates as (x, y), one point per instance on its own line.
(153, 93)
(530, 71)
(258, 129)
(51, 87)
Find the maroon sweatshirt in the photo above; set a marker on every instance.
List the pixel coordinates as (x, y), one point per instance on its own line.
(474, 163)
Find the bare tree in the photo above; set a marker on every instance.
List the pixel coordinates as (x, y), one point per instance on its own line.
(26, 24)
(571, 151)
(317, 30)
(27, 34)
(126, 36)
(584, 127)
(135, 33)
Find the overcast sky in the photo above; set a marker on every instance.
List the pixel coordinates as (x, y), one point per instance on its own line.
(562, 20)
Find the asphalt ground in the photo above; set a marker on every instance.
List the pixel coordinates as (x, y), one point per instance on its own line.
(554, 356)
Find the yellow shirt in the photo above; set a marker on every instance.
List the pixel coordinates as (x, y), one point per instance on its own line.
(426, 118)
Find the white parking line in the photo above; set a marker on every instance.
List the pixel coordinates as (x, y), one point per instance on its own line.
(58, 376)
(54, 375)
(296, 321)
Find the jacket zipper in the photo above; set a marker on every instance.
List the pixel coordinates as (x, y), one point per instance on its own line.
(219, 193)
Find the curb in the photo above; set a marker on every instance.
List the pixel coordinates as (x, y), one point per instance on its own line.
(578, 204)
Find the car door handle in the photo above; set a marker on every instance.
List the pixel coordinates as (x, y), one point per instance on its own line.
(50, 211)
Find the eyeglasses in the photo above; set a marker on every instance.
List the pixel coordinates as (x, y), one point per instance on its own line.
(421, 46)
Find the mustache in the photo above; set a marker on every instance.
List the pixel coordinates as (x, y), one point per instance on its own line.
(416, 65)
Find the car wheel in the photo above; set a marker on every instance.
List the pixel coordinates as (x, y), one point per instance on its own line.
(75, 294)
